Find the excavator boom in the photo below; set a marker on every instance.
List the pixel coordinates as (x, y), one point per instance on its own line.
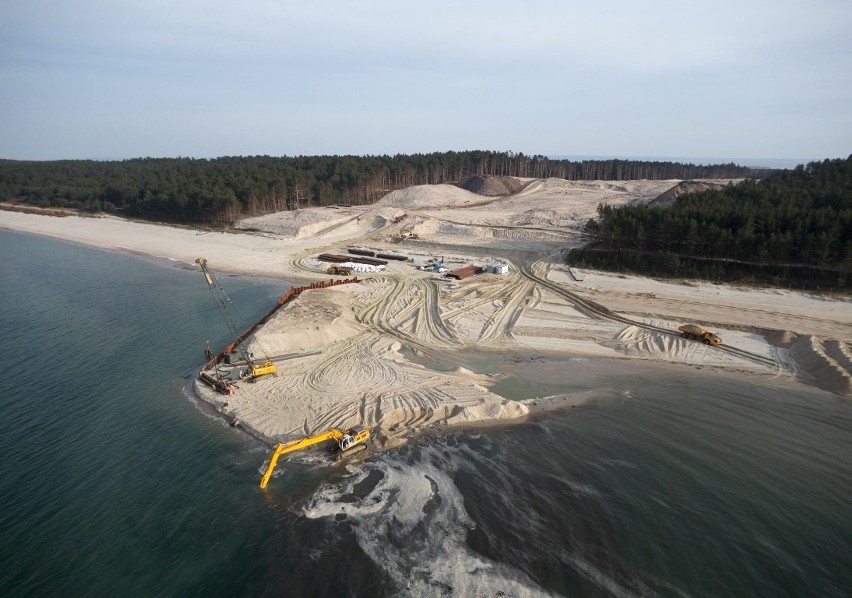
(345, 441)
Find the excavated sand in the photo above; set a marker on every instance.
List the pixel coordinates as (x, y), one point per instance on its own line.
(345, 354)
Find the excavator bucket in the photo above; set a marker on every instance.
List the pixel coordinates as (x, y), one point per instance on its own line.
(273, 461)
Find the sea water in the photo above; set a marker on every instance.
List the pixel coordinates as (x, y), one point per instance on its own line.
(113, 481)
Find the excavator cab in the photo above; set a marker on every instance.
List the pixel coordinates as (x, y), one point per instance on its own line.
(353, 436)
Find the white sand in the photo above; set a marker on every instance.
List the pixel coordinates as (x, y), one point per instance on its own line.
(344, 353)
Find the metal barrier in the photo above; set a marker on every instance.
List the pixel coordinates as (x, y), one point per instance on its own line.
(282, 301)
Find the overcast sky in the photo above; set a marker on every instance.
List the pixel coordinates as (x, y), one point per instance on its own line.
(111, 79)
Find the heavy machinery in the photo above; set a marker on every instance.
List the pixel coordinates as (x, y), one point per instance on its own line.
(254, 369)
(697, 333)
(339, 271)
(351, 441)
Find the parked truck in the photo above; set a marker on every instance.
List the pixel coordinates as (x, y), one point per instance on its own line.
(697, 333)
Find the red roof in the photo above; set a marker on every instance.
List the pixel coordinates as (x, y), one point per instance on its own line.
(465, 272)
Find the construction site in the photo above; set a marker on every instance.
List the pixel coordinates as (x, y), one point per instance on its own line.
(434, 272)
(438, 307)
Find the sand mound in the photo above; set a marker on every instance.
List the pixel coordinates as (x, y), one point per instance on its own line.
(829, 362)
(335, 369)
(293, 223)
(553, 186)
(429, 197)
(316, 223)
(492, 185)
(664, 200)
(638, 341)
(306, 324)
(781, 338)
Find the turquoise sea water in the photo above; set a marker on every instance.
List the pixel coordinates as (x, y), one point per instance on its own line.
(114, 482)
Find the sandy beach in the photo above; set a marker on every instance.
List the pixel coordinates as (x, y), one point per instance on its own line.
(355, 353)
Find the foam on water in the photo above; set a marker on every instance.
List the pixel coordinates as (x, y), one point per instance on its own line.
(409, 517)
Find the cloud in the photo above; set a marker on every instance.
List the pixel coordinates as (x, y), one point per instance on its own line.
(432, 69)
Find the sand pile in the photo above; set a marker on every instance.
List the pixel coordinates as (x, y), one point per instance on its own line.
(638, 342)
(668, 198)
(492, 185)
(321, 222)
(307, 324)
(290, 224)
(429, 197)
(829, 362)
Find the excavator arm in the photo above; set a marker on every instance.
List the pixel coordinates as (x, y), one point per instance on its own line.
(351, 441)
(297, 445)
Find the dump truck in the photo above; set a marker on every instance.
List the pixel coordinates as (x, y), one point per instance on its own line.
(697, 333)
(339, 271)
(347, 442)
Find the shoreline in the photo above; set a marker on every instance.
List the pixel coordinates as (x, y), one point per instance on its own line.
(354, 350)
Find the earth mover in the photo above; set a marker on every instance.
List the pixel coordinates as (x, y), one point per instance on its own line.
(339, 271)
(697, 333)
(353, 440)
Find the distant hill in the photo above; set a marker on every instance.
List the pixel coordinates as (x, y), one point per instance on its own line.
(491, 185)
(222, 190)
(668, 198)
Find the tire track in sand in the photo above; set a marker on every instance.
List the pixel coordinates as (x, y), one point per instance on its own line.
(410, 313)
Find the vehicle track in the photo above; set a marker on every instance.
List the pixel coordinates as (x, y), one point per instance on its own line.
(409, 312)
(597, 311)
(381, 314)
(499, 326)
(558, 232)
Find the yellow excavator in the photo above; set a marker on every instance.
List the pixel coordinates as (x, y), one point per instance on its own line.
(352, 440)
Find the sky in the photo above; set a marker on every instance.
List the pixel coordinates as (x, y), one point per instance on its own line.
(115, 79)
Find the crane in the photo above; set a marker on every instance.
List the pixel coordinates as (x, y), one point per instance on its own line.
(352, 440)
(254, 370)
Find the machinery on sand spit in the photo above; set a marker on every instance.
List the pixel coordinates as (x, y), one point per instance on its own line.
(353, 440)
(254, 368)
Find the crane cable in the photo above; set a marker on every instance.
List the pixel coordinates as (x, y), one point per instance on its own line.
(227, 308)
(202, 284)
(242, 325)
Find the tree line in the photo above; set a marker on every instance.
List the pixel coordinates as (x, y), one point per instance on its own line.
(221, 190)
(792, 228)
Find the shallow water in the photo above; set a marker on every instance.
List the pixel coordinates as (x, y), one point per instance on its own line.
(115, 483)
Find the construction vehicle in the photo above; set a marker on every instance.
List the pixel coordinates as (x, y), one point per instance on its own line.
(351, 441)
(697, 333)
(338, 270)
(254, 369)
